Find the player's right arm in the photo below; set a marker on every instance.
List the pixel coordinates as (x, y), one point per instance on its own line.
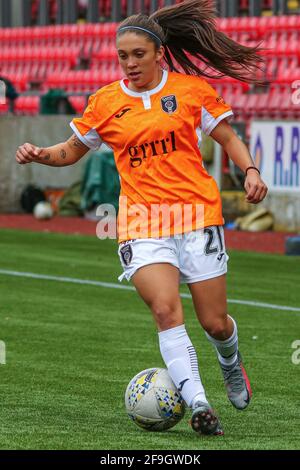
(63, 154)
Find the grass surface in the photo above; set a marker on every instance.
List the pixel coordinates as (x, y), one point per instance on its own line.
(71, 350)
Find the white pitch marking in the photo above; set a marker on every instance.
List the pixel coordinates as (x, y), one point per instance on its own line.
(111, 285)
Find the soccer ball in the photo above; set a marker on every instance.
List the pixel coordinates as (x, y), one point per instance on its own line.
(152, 401)
(43, 210)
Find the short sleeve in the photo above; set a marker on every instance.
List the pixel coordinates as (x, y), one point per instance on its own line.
(85, 127)
(214, 108)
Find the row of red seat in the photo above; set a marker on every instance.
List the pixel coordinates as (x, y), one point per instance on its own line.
(276, 67)
(31, 73)
(39, 54)
(30, 105)
(259, 27)
(284, 47)
(106, 50)
(58, 32)
(58, 73)
(280, 102)
(262, 24)
(91, 80)
(83, 80)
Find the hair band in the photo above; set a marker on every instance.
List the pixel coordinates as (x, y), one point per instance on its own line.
(124, 28)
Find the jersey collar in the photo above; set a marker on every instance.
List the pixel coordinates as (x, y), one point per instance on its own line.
(138, 94)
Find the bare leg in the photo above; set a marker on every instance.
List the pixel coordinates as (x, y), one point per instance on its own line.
(158, 285)
(209, 299)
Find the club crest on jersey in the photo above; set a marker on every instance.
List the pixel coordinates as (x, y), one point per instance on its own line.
(126, 253)
(169, 104)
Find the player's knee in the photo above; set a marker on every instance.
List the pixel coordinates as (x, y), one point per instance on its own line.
(165, 315)
(217, 329)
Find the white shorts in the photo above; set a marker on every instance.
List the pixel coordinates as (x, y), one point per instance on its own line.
(199, 255)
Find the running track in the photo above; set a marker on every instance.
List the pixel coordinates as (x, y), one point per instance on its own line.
(263, 242)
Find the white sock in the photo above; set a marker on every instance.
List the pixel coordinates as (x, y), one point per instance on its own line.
(226, 350)
(181, 360)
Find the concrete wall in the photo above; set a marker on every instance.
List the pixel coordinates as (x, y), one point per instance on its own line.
(42, 131)
(285, 208)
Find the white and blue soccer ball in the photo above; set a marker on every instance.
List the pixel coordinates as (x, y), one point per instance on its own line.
(152, 400)
(43, 210)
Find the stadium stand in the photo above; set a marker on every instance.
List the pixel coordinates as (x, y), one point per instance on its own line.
(80, 58)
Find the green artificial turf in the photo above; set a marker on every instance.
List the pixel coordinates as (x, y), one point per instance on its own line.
(71, 350)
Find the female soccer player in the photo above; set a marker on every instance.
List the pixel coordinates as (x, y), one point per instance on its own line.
(151, 120)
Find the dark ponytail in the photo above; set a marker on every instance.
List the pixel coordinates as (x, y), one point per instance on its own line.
(188, 30)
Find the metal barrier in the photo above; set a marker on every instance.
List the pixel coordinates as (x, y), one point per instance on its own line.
(18, 12)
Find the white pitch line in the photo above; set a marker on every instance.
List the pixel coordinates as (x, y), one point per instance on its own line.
(111, 285)
(66, 279)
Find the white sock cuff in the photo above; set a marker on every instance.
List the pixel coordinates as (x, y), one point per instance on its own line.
(172, 332)
(229, 341)
(173, 337)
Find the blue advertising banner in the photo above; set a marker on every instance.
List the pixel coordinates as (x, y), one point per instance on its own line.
(275, 148)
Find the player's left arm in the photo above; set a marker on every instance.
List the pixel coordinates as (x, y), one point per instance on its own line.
(237, 151)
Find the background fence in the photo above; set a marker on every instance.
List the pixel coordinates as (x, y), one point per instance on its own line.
(44, 12)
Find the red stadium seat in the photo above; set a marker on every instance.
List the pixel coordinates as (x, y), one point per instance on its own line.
(273, 105)
(4, 108)
(284, 23)
(285, 105)
(19, 79)
(288, 76)
(261, 105)
(239, 104)
(106, 52)
(27, 105)
(230, 82)
(79, 103)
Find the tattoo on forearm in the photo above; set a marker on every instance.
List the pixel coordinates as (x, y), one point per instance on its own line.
(44, 157)
(76, 142)
(63, 153)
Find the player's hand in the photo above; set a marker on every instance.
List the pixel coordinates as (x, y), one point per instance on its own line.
(27, 153)
(256, 189)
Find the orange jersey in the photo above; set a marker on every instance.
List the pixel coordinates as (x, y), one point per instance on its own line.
(155, 139)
